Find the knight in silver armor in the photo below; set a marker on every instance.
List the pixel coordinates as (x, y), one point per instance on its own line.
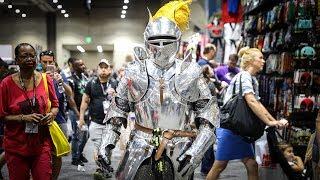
(167, 95)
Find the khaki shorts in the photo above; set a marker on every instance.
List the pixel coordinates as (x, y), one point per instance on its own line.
(97, 131)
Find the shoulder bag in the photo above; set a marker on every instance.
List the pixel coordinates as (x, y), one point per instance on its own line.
(236, 116)
(61, 144)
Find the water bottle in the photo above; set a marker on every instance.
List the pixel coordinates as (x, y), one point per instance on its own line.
(60, 87)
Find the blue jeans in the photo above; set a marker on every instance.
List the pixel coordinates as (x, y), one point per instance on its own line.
(79, 138)
(207, 160)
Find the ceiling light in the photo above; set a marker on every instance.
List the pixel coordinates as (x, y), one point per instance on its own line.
(126, 1)
(59, 6)
(55, 1)
(123, 11)
(23, 15)
(63, 11)
(66, 15)
(1, 1)
(125, 7)
(99, 49)
(17, 11)
(9, 6)
(80, 48)
(123, 16)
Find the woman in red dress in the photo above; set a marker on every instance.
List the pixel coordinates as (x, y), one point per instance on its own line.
(23, 104)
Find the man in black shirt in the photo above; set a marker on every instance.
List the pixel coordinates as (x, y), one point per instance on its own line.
(97, 97)
(78, 82)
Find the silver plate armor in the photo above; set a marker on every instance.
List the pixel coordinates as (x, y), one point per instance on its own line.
(166, 93)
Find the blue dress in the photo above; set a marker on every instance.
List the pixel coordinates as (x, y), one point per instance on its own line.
(229, 145)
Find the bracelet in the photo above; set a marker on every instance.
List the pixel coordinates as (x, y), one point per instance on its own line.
(21, 117)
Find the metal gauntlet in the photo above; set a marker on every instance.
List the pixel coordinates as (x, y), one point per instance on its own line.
(204, 140)
(191, 159)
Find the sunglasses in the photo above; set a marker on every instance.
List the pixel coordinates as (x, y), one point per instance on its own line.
(47, 53)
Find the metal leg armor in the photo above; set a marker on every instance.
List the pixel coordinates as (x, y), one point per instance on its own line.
(108, 143)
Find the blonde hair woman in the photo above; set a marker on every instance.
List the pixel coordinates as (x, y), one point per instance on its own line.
(231, 146)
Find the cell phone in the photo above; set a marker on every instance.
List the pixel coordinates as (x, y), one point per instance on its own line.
(50, 68)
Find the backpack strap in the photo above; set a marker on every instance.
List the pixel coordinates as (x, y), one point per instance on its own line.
(240, 86)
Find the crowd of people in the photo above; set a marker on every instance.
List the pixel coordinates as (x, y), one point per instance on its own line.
(74, 96)
(84, 100)
(175, 101)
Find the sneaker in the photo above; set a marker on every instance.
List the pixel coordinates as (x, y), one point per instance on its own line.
(77, 162)
(83, 159)
(81, 168)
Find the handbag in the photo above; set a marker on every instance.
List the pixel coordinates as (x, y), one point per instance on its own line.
(236, 116)
(61, 144)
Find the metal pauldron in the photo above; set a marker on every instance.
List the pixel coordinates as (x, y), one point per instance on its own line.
(135, 83)
(188, 88)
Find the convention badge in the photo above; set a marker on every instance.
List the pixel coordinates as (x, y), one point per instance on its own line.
(31, 128)
(106, 105)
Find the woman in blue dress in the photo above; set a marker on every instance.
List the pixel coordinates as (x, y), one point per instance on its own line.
(229, 145)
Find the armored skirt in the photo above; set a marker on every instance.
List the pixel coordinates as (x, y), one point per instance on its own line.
(231, 146)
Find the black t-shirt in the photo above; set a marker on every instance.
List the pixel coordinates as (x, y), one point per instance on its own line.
(78, 85)
(95, 92)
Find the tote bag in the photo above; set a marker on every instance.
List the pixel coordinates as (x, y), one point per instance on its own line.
(236, 116)
(61, 144)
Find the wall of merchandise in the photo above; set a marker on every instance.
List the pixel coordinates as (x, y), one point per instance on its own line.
(288, 33)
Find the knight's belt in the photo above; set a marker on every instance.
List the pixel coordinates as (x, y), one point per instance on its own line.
(166, 135)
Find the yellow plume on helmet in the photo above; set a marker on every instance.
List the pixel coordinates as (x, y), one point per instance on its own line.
(177, 11)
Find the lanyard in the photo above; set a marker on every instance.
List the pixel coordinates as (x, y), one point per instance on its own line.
(32, 101)
(82, 80)
(104, 91)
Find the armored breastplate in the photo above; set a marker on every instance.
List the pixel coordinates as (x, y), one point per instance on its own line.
(161, 107)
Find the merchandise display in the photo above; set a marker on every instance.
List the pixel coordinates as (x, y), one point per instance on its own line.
(285, 32)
